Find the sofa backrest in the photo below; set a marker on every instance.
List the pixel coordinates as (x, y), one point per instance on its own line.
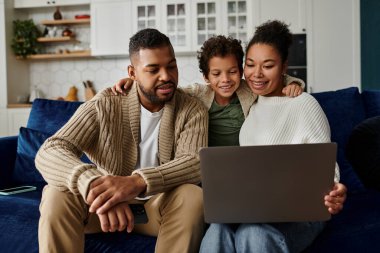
(344, 110)
(371, 100)
(48, 116)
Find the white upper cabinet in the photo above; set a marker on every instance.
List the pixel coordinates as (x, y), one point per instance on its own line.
(232, 18)
(176, 18)
(239, 19)
(146, 14)
(47, 3)
(111, 27)
(206, 20)
(292, 12)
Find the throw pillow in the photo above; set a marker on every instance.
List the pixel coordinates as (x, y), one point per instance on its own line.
(363, 151)
(29, 142)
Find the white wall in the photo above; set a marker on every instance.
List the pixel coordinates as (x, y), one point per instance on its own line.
(333, 30)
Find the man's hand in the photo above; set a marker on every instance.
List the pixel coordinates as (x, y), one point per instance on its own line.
(117, 218)
(121, 86)
(292, 90)
(107, 191)
(335, 199)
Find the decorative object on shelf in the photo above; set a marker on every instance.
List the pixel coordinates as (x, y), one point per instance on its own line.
(84, 16)
(67, 32)
(57, 14)
(24, 41)
(89, 91)
(45, 32)
(52, 31)
(34, 94)
(72, 95)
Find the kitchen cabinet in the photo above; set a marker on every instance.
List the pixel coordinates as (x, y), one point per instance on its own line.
(292, 12)
(146, 14)
(111, 27)
(176, 23)
(239, 19)
(207, 21)
(47, 3)
(228, 17)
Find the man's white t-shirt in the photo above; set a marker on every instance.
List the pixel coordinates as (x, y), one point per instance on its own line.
(148, 147)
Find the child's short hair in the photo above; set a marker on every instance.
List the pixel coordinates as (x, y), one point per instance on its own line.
(220, 46)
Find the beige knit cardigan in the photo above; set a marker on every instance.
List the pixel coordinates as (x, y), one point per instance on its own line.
(107, 130)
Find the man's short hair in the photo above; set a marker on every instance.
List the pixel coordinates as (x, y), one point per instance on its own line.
(148, 39)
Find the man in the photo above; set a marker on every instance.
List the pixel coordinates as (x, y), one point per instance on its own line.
(144, 144)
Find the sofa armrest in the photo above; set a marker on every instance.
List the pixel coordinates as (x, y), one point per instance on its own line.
(8, 151)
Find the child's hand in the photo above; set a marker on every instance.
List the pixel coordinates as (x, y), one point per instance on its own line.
(121, 86)
(335, 199)
(292, 90)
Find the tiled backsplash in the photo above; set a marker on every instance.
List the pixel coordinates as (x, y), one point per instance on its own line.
(54, 78)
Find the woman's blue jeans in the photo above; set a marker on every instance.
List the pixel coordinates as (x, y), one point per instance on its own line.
(261, 237)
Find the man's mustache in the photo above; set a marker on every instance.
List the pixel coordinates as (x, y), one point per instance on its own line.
(166, 83)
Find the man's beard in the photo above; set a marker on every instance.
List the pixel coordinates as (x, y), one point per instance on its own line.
(152, 97)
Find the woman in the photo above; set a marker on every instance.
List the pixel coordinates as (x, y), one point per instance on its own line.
(304, 122)
(226, 95)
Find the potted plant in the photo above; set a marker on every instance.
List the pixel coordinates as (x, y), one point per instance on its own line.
(24, 41)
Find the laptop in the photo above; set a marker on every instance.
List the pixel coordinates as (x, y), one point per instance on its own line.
(262, 184)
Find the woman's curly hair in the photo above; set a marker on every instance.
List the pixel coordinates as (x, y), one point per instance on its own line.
(274, 33)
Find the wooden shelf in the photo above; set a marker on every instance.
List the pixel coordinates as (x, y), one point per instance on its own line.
(19, 105)
(66, 22)
(73, 54)
(56, 39)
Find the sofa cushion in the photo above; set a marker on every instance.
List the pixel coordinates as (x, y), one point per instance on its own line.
(50, 115)
(344, 110)
(371, 99)
(363, 151)
(29, 142)
(19, 222)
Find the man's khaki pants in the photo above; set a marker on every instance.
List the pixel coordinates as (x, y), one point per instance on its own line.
(175, 217)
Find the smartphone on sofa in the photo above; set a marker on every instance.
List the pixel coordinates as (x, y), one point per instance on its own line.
(19, 189)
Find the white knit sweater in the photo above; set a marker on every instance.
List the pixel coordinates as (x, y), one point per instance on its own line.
(284, 120)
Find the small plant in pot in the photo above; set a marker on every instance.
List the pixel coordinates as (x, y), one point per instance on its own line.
(24, 41)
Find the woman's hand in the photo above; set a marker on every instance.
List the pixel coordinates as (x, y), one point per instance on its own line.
(121, 86)
(335, 199)
(292, 90)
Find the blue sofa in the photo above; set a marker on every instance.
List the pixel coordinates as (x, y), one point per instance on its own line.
(355, 229)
